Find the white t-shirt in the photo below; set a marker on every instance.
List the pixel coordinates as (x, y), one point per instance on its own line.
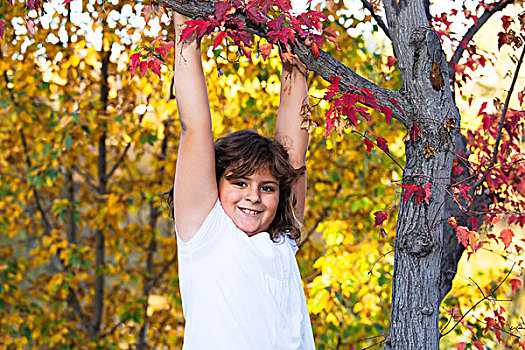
(241, 292)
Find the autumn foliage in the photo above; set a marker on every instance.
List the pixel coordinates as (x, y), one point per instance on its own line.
(88, 146)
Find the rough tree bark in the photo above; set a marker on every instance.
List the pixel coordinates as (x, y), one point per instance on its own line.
(426, 249)
(428, 102)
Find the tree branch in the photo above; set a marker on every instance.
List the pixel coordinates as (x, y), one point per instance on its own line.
(75, 304)
(479, 302)
(473, 30)
(501, 122)
(89, 180)
(39, 206)
(126, 148)
(378, 19)
(325, 65)
(100, 240)
(16, 176)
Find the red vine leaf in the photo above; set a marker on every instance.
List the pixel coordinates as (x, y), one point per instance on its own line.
(155, 65)
(506, 236)
(390, 61)
(133, 63)
(143, 68)
(382, 144)
(428, 191)
(381, 216)
(31, 27)
(515, 284)
(409, 189)
(461, 346)
(218, 39)
(478, 345)
(387, 112)
(368, 144)
(415, 132)
(265, 49)
(222, 9)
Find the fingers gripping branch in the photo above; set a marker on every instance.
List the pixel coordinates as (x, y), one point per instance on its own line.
(325, 65)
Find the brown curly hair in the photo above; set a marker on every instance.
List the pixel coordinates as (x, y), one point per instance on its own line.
(241, 154)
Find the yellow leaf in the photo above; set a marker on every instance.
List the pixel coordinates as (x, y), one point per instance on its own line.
(157, 303)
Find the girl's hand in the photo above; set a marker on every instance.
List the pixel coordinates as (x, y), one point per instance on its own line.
(291, 62)
(178, 21)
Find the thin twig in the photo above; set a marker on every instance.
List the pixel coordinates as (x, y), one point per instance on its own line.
(381, 257)
(16, 176)
(481, 20)
(498, 328)
(126, 148)
(502, 121)
(387, 153)
(378, 19)
(479, 302)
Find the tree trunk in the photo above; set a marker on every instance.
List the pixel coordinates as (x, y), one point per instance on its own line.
(428, 103)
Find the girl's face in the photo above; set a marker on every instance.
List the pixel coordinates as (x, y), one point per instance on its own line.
(251, 201)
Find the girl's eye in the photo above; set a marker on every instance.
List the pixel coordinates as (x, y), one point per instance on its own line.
(239, 183)
(267, 189)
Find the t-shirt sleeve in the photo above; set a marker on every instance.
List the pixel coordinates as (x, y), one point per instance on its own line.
(209, 230)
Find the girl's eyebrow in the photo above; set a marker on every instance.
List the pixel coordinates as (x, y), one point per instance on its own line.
(270, 182)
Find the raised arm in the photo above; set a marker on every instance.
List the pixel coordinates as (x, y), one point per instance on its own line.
(195, 189)
(294, 93)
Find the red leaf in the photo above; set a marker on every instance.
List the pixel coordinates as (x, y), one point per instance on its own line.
(315, 49)
(409, 189)
(255, 14)
(507, 20)
(133, 62)
(368, 144)
(364, 112)
(166, 46)
(31, 27)
(2, 28)
(416, 130)
(276, 23)
(390, 61)
(381, 216)
(265, 49)
(221, 9)
(478, 345)
(462, 235)
(515, 283)
(331, 35)
(428, 191)
(330, 126)
(382, 144)
(143, 68)
(247, 52)
(218, 39)
(146, 11)
(155, 65)
(387, 112)
(461, 346)
(161, 52)
(332, 89)
(464, 189)
(506, 236)
(187, 32)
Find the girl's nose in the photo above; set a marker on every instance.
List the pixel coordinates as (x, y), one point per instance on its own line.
(252, 194)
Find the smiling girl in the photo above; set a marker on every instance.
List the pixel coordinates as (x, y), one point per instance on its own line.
(238, 207)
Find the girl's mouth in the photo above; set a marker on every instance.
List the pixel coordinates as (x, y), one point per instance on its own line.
(250, 212)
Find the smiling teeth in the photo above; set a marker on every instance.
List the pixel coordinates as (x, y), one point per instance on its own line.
(251, 212)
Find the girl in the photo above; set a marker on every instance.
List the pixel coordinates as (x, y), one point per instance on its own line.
(238, 208)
